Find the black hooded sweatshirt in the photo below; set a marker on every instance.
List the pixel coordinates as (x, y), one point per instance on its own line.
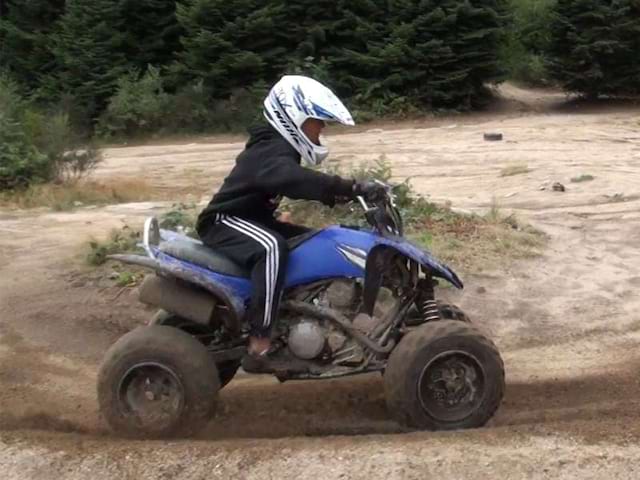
(267, 169)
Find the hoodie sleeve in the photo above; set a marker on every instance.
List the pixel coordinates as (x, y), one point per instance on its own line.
(282, 176)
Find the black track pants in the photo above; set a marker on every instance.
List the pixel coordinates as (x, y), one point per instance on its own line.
(263, 249)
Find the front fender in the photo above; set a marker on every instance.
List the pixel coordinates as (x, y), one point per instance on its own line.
(417, 254)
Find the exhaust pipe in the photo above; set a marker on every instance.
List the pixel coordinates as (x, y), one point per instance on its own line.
(168, 294)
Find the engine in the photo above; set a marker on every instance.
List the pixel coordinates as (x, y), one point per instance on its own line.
(310, 339)
(307, 339)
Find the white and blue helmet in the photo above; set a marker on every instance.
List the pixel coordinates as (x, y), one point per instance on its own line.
(293, 100)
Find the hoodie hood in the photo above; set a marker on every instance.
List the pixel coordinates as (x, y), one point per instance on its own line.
(266, 133)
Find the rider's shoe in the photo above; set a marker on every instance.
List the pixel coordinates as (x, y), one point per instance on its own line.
(273, 362)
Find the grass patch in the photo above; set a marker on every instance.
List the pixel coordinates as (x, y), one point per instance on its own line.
(474, 242)
(181, 217)
(511, 170)
(466, 241)
(582, 178)
(70, 195)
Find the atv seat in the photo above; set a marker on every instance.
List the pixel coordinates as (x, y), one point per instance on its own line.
(203, 256)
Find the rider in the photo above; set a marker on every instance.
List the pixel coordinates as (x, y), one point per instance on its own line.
(239, 221)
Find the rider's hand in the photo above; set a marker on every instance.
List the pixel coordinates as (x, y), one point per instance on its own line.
(369, 190)
(284, 217)
(342, 200)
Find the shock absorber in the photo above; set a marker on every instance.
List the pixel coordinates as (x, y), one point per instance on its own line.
(426, 303)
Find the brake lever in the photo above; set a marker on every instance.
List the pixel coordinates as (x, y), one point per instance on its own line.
(389, 189)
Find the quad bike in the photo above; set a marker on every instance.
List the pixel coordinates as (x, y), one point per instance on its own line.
(440, 371)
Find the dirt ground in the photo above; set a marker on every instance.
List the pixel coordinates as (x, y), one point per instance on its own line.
(567, 322)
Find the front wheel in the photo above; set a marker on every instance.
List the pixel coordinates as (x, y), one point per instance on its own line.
(157, 382)
(444, 375)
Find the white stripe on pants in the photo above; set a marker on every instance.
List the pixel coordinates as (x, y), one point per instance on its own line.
(272, 257)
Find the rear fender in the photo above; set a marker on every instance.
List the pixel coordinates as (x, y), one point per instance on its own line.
(164, 264)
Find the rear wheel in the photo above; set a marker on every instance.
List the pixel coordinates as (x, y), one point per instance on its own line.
(444, 375)
(157, 382)
(227, 370)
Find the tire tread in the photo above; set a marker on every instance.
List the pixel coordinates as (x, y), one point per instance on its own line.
(400, 367)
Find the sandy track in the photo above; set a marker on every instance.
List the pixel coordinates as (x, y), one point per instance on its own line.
(566, 322)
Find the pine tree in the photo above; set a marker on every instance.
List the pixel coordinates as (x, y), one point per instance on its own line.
(436, 53)
(24, 38)
(152, 31)
(232, 44)
(594, 47)
(326, 36)
(475, 42)
(88, 46)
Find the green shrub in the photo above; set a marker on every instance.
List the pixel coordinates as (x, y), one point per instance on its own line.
(138, 107)
(20, 161)
(68, 155)
(241, 109)
(189, 109)
(37, 147)
(141, 107)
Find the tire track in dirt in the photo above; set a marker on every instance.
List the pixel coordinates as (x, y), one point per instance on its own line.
(566, 322)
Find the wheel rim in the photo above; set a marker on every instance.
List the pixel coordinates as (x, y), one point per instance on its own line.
(451, 386)
(152, 395)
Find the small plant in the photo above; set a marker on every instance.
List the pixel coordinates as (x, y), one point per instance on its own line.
(494, 214)
(618, 197)
(583, 178)
(119, 241)
(128, 279)
(182, 217)
(514, 170)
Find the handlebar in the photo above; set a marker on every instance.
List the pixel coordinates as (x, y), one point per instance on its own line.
(384, 215)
